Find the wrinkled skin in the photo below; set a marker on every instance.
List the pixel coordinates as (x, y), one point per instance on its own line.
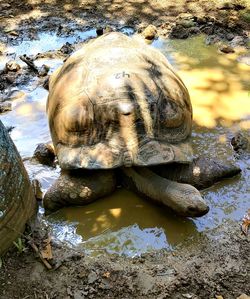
(80, 187)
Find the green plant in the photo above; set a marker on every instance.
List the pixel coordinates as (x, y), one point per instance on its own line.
(19, 245)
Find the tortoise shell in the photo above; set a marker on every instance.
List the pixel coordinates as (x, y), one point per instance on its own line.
(118, 102)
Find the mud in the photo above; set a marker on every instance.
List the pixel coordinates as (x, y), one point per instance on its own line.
(217, 265)
(108, 250)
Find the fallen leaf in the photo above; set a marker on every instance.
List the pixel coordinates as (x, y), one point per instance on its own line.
(245, 223)
(46, 252)
(106, 274)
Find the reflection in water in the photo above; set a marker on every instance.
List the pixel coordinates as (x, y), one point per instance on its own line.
(116, 215)
(47, 41)
(30, 122)
(123, 222)
(218, 85)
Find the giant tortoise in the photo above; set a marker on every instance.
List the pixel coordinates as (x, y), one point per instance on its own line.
(17, 200)
(117, 109)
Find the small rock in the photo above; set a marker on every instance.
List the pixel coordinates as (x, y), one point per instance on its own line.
(43, 71)
(46, 83)
(69, 292)
(149, 32)
(5, 106)
(179, 31)
(44, 154)
(79, 295)
(10, 78)
(92, 277)
(188, 296)
(185, 16)
(240, 143)
(226, 49)
(186, 23)
(238, 41)
(233, 21)
(212, 39)
(230, 36)
(194, 30)
(218, 297)
(12, 66)
(67, 48)
(5, 5)
(99, 31)
(201, 19)
(108, 29)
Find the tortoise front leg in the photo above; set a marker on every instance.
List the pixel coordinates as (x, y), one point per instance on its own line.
(79, 187)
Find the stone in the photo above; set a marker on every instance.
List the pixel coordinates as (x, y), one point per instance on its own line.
(92, 277)
(99, 31)
(240, 142)
(10, 78)
(44, 154)
(226, 49)
(149, 32)
(67, 48)
(12, 66)
(233, 21)
(180, 32)
(43, 71)
(78, 295)
(186, 23)
(201, 19)
(5, 106)
(230, 36)
(238, 41)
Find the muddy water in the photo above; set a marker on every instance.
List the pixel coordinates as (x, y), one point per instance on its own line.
(124, 223)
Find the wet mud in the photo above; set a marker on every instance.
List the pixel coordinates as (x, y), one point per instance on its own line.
(122, 246)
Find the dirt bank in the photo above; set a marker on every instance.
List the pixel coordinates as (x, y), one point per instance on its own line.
(217, 266)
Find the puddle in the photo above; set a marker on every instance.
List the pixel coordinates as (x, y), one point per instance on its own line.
(123, 223)
(29, 121)
(127, 30)
(47, 41)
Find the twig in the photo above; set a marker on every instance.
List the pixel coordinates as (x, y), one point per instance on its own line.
(34, 247)
(29, 62)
